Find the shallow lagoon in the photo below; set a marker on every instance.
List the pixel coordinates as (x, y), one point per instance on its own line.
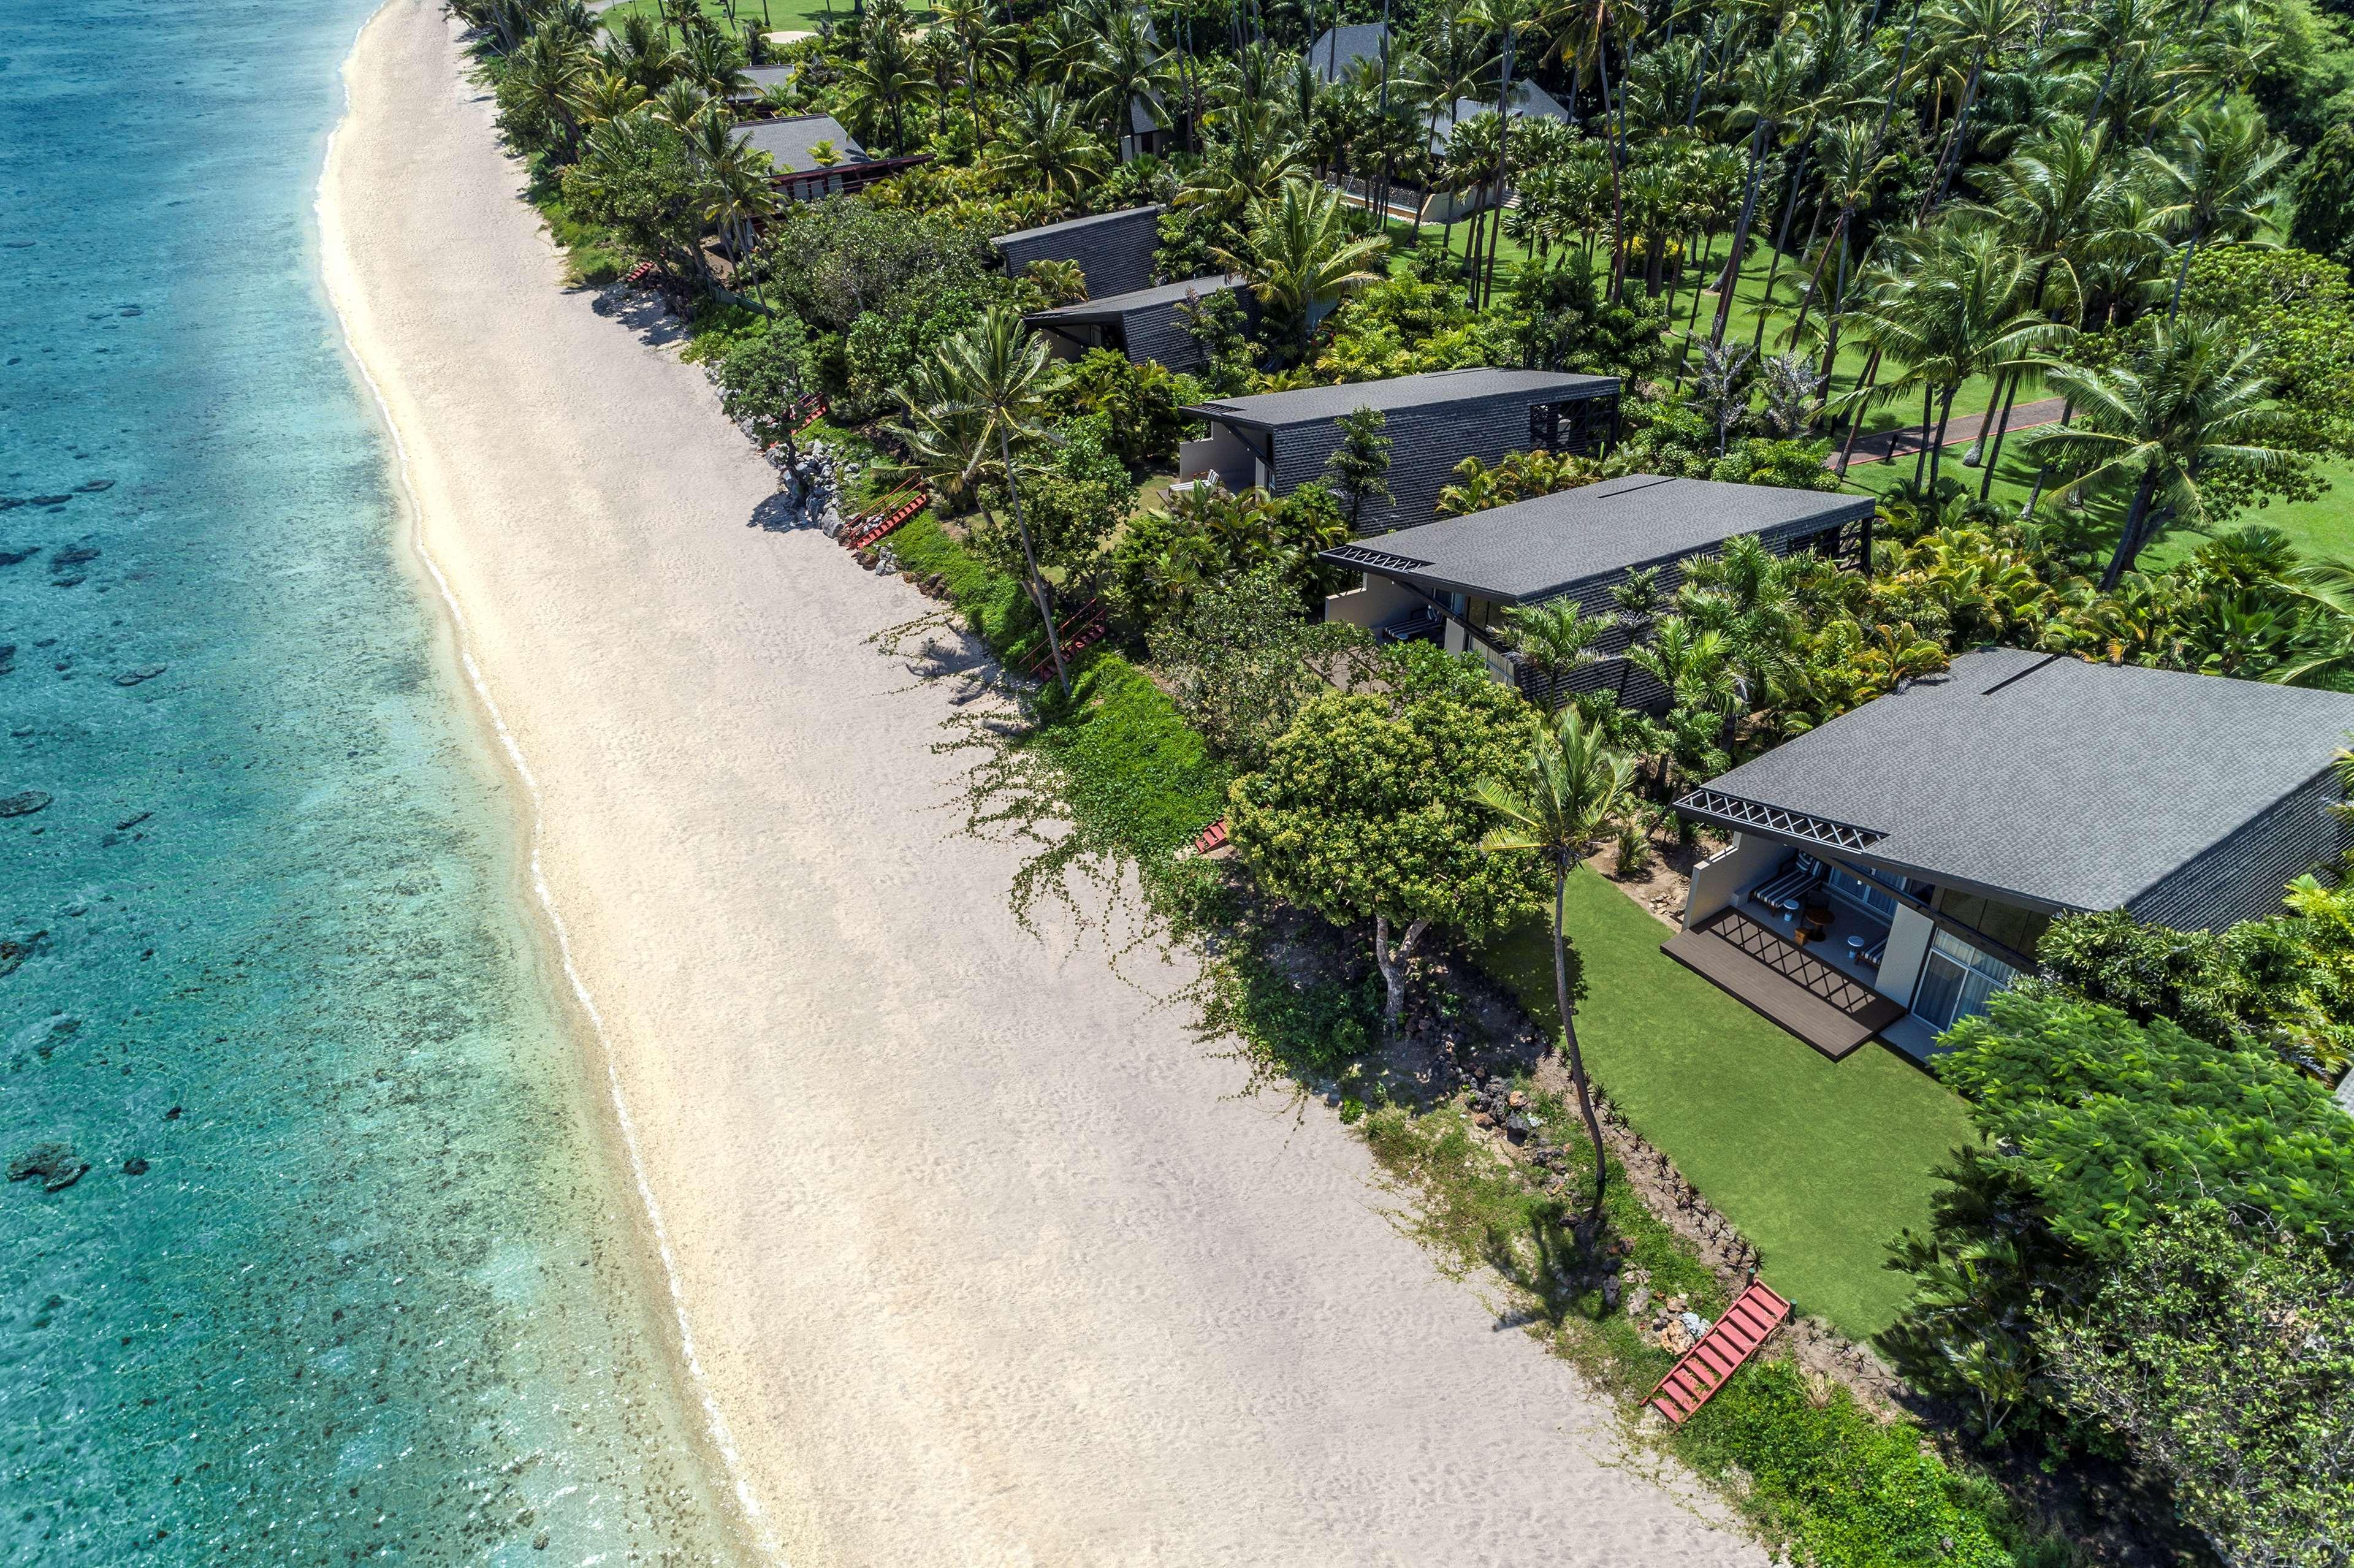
(377, 1288)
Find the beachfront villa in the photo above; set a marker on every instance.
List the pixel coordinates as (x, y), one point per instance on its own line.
(815, 156)
(1454, 581)
(1434, 420)
(760, 81)
(1356, 50)
(1143, 324)
(1893, 869)
(1113, 250)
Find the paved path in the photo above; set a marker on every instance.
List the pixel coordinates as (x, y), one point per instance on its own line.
(1886, 446)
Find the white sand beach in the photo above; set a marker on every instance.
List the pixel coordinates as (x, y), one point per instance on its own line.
(985, 1258)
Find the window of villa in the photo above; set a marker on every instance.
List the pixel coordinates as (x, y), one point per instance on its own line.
(2007, 924)
(1957, 979)
(1867, 893)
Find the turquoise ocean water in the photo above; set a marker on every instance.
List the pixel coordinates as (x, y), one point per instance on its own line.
(349, 1277)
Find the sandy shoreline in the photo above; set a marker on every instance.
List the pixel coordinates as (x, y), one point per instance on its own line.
(982, 1259)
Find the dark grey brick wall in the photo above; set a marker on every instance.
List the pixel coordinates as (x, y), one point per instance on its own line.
(1158, 332)
(1426, 444)
(2240, 878)
(1115, 254)
(1637, 687)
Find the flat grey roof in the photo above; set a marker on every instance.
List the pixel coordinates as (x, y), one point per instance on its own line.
(1309, 405)
(1070, 224)
(1113, 306)
(789, 142)
(1534, 549)
(2073, 784)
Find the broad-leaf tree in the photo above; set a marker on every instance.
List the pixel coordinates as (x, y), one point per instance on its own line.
(1368, 811)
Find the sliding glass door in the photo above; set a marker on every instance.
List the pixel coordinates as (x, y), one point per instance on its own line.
(1957, 979)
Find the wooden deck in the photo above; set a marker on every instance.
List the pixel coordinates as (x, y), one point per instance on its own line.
(1759, 967)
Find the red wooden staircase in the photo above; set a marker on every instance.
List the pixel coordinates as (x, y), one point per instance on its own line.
(1734, 1339)
(1085, 628)
(808, 412)
(1213, 837)
(885, 516)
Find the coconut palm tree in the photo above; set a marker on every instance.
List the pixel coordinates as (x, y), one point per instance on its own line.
(1960, 309)
(887, 75)
(640, 50)
(991, 390)
(1555, 638)
(1044, 147)
(2218, 176)
(1773, 85)
(1302, 260)
(713, 62)
(1573, 786)
(1452, 64)
(1127, 67)
(2160, 421)
(1979, 30)
(552, 72)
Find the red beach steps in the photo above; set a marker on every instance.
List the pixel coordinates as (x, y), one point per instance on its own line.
(809, 412)
(1213, 837)
(1083, 631)
(885, 516)
(1734, 1339)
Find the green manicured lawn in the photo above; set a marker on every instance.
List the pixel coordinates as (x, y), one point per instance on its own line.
(1819, 1162)
(774, 16)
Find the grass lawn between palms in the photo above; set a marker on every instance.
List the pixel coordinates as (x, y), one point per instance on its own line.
(2319, 528)
(774, 16)
(1820, 1163)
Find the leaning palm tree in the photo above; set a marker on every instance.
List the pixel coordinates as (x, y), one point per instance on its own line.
(1302, 260)
(1574, 784)
(1555, 638)
(2187, 402)
(991, 386)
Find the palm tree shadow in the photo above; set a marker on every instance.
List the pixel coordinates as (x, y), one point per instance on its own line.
(1555, 1265)
(642, 311)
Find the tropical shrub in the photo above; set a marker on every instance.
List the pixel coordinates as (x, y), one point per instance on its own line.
(835, 260)
(2096, 1126)
(2224, 1355)
(1241, 662)
(1138, 404)
(1071, 503)
(1204, 535)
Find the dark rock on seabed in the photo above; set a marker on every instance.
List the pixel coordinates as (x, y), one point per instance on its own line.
(23, 803)
(53, 1163)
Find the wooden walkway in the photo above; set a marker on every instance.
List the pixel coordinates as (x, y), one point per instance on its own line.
(1761, 969)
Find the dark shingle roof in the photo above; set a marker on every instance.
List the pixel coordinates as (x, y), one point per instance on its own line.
(1337, 48)
(2072, 785)
(1071, 224)
(1310, 404)
(1534, 549)
(1113, 306)
(1528, 98)
(789, 142)
(761, 79)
